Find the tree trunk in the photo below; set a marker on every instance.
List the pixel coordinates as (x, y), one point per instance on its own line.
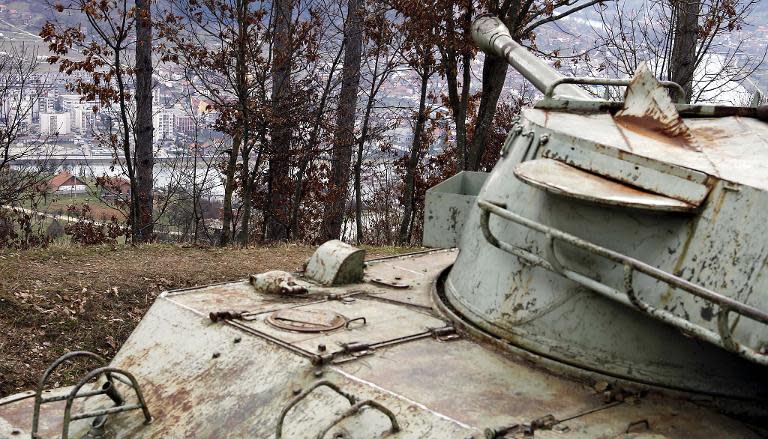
(345, 123)
(359, 165)
(247, 192)
(143, 153)
(494, 74)
(243, 96)
(413, 162)
(682, 63)
(461, 116)
(276, 216)
(229, 187)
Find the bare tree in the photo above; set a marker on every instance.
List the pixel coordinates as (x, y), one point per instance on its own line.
(383, 58)
(105, 73)
(698, 43)
(420, 56)
(276, 217)
(220, 46)
(344, 137)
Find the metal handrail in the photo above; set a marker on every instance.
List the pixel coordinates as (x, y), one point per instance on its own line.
(119, 403)
(550, 90)
(722, 338)
(355, 407)
(304, 394)
(39, 400)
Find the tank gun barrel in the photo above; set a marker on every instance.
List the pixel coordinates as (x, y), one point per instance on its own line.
(493, 38)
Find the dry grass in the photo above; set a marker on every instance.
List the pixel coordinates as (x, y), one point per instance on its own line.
(71, 298)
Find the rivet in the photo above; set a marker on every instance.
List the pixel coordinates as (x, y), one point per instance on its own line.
(318, 373)
(321, 347)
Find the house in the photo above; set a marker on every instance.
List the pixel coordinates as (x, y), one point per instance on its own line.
(114, 187)
(66, 183)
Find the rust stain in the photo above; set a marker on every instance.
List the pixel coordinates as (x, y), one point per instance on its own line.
(710, 134)
(648, 127)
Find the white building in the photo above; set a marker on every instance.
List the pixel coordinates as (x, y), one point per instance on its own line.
(69, 101)
(54, 123)
(164, 121)
(82, 119)
(46, 104)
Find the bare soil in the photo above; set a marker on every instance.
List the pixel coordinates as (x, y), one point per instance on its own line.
(67, 298)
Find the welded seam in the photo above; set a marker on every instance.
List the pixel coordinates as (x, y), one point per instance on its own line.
(403, 398)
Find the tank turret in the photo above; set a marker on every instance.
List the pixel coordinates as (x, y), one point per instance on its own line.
(623, 237)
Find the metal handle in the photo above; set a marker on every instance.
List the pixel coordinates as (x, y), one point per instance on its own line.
(722, 338)
(394, 428)
(356, 319)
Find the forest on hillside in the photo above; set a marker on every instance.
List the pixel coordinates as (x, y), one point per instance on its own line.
(306, 120)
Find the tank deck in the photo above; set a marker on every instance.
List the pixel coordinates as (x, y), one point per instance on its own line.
(235, 378)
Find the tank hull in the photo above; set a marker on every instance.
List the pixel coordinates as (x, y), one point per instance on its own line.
(238, 378)
(720, 246)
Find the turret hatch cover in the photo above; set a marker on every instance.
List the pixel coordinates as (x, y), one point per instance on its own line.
(562, 179)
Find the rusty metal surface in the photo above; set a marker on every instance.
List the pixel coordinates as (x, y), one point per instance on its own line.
(654, 175)
(678, 420)
(648, 106)
(383, 321)
(734, 148)
(502, 390)
(415, 271)
(16, 414)
(559, 178)
(725, 305)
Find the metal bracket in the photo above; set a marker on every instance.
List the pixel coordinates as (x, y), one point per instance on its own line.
(119, 402)
(726, 305)
(355, 407)
(446, 333)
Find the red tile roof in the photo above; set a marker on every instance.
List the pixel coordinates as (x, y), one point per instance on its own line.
(62, 178)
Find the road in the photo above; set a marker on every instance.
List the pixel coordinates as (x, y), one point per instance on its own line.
(64, 218)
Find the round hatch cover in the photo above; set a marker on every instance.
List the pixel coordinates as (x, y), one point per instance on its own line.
(306, 320)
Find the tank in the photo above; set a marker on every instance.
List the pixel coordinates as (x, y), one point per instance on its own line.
(605, 280)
